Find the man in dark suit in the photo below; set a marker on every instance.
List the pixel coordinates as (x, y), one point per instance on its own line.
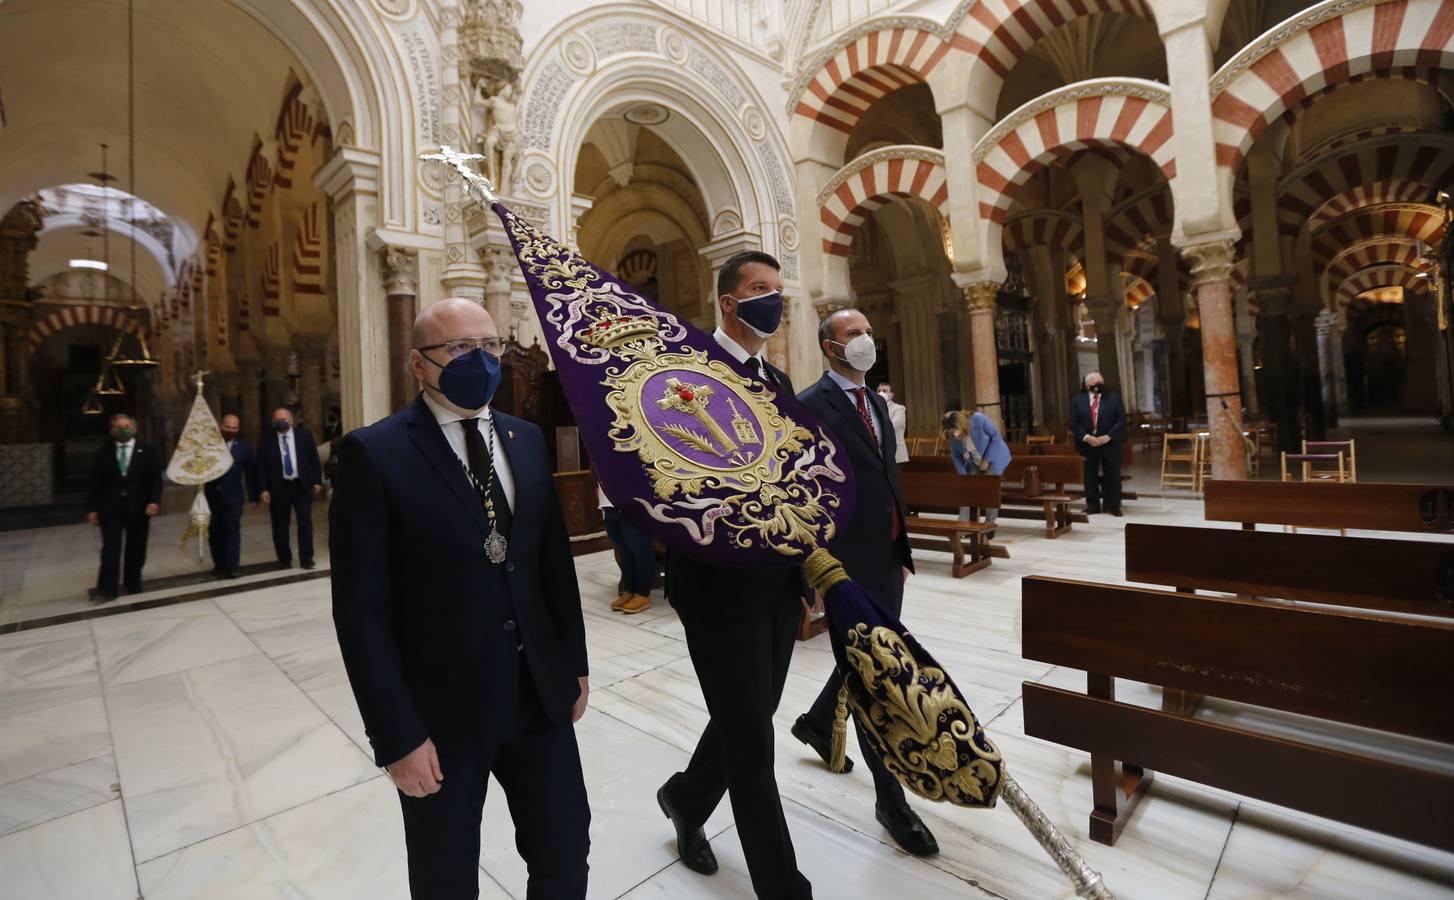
(125, 493)
(226, 497)
(873, 545)
(1098, 421)
(740, 627)
(465, 662)
(287, 463)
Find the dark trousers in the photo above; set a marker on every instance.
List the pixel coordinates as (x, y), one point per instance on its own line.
(741, 643)
(890, 793)
(225, 535)
(633, 549)
(135, 527)
(1103, 488)
(293, 497)
(539, 768)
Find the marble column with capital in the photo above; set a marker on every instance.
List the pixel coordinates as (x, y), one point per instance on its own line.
(1171, 317)
(980, 299)
(1105, 309)
(1309, 393)
(401, 295)
(1246, 355)
(463, 274)
(1329, 346)
(1211, 266)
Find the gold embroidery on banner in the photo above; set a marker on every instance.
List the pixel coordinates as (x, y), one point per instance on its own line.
(924, 730)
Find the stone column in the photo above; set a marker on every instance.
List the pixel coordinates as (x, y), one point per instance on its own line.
(1211, 266)
(350, 179)
(278, 370)
(1328, 348)
(980, 299)
(1274, 296)
(1171, 316)
(1106, 309)
(1310, 393)
(922, 393)
(249, 405)
(311, 351)
(19, 232)
(500, 267)
(463, 275)
(401, 295)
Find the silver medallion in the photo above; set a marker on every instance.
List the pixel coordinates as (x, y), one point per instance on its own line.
(496, 547)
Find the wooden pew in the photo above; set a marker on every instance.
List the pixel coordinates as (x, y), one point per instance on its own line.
(1340, 665)
(946, 492)
(1075, 487)
(1408, 577)
(1055, 473)
(1416, 508)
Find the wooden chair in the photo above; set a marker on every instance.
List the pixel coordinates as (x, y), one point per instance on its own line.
(1311, 472)
(1204, 459)
(1179, 450)
(1330, 467)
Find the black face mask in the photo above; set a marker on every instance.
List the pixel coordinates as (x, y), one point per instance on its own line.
(1096, 388)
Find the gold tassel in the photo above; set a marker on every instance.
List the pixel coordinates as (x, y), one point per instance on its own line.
(838, 752)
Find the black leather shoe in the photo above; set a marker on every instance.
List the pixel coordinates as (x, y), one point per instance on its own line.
(1092, 511)
(285, 564)
(1118, 514)
(908, 831)
(821, 743)
(692, 844)
(310, 564)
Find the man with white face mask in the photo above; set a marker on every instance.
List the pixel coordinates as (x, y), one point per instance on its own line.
(873, 545)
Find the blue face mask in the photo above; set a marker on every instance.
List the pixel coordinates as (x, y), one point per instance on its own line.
(281, 426)
(762, 313)
(470, 381)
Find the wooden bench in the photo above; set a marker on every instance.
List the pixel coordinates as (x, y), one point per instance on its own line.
(1414, 508)
(1368, 573)
(1075, 487)
(1354, 667)
(1055, 473)
(946, 492)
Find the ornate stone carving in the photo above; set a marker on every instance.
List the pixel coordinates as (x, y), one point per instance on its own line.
(490, 42)
(578, 55)
(777, 182)
(674, 46)
(612, 38)
(705, 66)
(1211, 261)
(497, 120)
(828, 306)
(787, 234)
(544, 103)
(727, 221)
(753, 123)
(432, 214)
(1279, 36)
(1150, 91)
(539, 178)
(981, 296)
(401, 271)
(883, 154)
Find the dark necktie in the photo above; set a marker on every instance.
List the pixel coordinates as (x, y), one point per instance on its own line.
(862, 395)
(482, 466)
(762, 374)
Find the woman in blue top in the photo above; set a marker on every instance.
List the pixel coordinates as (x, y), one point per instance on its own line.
(977, 448)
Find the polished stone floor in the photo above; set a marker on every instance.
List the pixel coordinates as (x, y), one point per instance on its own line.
(213, 750)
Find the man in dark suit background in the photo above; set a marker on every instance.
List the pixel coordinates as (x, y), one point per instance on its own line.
(1098, 421)
(291, 477)
(873, 545)
(125, 493)
(463, 666)
(226, 496)
(740, 627)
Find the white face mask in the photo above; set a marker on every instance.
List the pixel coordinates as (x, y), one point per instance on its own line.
(860, 353)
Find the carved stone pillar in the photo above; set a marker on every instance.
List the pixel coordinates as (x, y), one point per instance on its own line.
(1279, 370)
(250, 400)
(980, 300)
(1246, 357)
(401, 295)
(500, 268)
(350, 179)
(1328, 348)
(1211, 266)
(311, 351)
(1171, 316)
(1309, 380)
(923, 389)
(279, 370)
(1105, 309)
(463, 275)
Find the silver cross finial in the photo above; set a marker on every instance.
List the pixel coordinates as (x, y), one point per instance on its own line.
(474, 182)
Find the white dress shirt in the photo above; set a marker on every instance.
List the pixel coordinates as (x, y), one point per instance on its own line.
(130, 448)
(449, 423)
(852, 390)
(736, 350)
(288, 449)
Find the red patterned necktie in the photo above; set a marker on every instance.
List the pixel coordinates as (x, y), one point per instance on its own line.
(1095, 411)
(862, 395)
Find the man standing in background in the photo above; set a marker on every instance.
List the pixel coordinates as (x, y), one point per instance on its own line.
(899, 419)
(1098, 421)
(289, 471)
(125, 493)
(226, 497)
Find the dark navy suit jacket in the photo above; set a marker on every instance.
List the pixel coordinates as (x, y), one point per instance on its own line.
(1110, 420)
(864, 543)
(428, 626)
(270, 460)
(240, 483)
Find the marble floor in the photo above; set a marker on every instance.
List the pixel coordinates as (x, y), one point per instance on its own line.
(213, 750)
(47, 572)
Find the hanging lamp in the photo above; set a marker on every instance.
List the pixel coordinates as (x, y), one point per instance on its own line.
(144, 359)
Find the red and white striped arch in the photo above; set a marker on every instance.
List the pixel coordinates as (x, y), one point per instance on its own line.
(1124, 112)
(1378, 170)
(999, 32)
(1043, 228)
(1383, 251)
(872, 180)
(1136, 290)
(1411, 222)
(1145, 216)
(74, 316)
(1261, 83)
(850, 78)
(1375, 277)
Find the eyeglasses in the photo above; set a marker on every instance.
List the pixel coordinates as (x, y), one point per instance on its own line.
(461, 346)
